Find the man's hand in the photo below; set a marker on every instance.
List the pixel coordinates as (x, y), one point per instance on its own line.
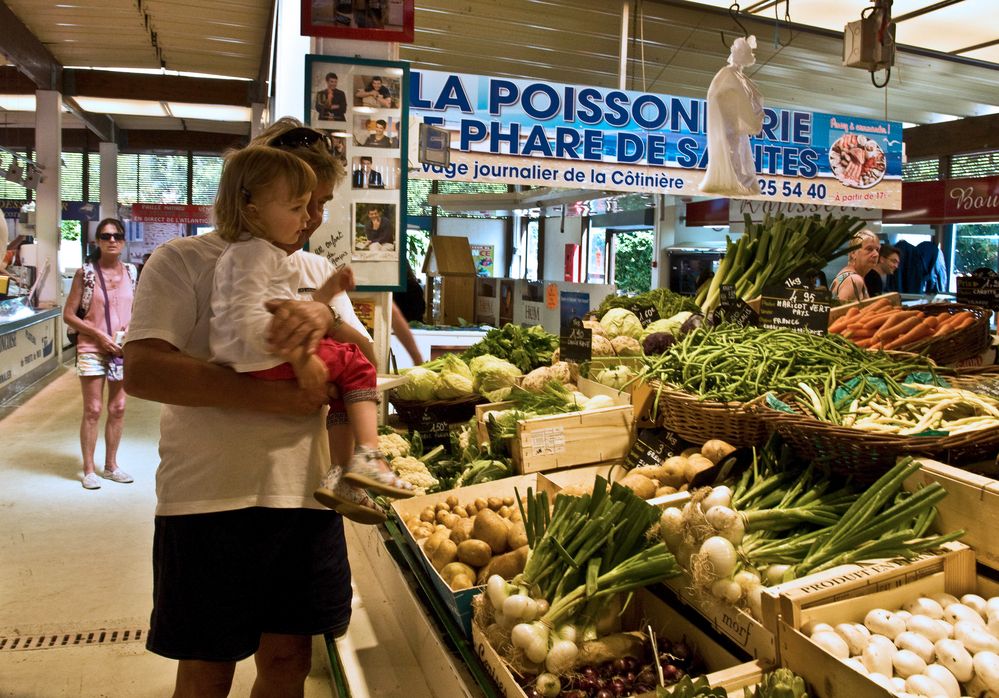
(296, 324)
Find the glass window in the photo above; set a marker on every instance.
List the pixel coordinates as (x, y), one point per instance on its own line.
(926, 170)
(974, 164)
(976, 246)
(9, 190)
(71, 177)
(531, 261)
(596, 256)
(93, 176)
(206, 174)
(633, 260)
(70, 251)
(152, 178)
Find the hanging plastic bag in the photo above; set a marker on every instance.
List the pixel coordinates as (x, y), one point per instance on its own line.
(735, 112)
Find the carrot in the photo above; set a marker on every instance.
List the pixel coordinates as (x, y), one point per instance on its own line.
(860, 334)
(967, 319)
(921, 331)
(948, 324)
(887, 335)
(865, 343)
(840, 323)
(877, 320)
(876, 305)
(895, 319)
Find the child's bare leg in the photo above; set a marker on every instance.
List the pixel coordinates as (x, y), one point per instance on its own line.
(367, 467)
(341, 443)
(343, 497)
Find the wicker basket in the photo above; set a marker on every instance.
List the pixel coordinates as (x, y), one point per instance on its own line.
(697, 420)
(865, 456)
(965, 343)
(415, 414)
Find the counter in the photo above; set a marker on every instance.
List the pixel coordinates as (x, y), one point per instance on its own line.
(27, 345)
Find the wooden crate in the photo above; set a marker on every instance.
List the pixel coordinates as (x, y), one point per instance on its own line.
(972, 504)
(560, 441)
(460, 602)
(726, 670)
(829, 677)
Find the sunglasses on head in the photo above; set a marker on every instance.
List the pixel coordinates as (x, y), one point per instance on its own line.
(106, 237)
(301, 137)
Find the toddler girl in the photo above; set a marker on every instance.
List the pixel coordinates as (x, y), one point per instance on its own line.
(262, 202)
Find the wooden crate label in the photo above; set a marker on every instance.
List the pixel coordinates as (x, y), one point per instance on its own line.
(547, 441)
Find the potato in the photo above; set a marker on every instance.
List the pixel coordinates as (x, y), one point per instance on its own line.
(515, 515)
(504, 511)
(508, 565)
(475, 553)
(471, 510)
(452, 501)
(577, 490)
(670, 472)
(663, 491)
(494, 503)
(452, 571)
(435, 539)
(444, 554)
(462, 531)
(460, 512)
(461, 581)
(489, 527)
(450, 520)
(517, 537)
(715, 450)
(692, 451)
(642, 486)
(441, 515)
(481, 504)
(422, 531)
(428, 514)
(441, 506)
(508, 502)
(696, 464)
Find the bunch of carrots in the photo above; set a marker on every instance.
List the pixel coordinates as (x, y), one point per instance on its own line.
(881, 325)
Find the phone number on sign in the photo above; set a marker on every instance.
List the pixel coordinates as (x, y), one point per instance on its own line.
(771, 187)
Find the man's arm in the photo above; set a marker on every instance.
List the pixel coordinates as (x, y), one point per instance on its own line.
(401, 329)
(160, 372)
(349, 335)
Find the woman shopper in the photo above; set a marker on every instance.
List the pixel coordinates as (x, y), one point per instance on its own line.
(848, 284)
(98, 310)
(236, 524)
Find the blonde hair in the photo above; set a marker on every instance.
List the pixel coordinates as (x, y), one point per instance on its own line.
(249, 176)
(327, 167)
(857, 241)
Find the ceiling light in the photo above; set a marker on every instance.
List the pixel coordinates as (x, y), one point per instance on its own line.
(158, 71)
(130, 107)
(210, 112)
(17, 102)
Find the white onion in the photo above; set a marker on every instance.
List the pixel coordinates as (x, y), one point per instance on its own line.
(671, 528)
(561, 656)
(727, 590)
(721, 554)
(727, 522)
(718, 496)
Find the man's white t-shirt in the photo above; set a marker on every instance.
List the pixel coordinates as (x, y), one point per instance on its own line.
(218, 459)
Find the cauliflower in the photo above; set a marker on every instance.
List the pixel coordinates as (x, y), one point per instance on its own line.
(562, 372)
(620, 321)
(393, 445)
(535, 380)
(415, 472)
(626, 346)
(601, 346)
(595, 327)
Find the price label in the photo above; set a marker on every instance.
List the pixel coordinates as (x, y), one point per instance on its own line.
(980, 288)
(575, 342)
(647, 315)
(733, 310)
(794, 306)
(434, 432)
(652, 447)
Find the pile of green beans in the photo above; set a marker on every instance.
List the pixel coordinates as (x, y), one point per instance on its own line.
(738, 364)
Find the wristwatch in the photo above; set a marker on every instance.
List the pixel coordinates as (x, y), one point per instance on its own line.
(337, 320)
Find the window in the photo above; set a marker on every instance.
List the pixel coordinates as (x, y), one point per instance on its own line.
(976, 246)
(927, 170)
(596, 256)
(93, 176)
(632, 270)
(207, 170)
(71, 177)
(152, 178)
(9, 190)
(974, 165)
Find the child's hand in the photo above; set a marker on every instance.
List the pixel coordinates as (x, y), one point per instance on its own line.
(311, 373)
(342, 280)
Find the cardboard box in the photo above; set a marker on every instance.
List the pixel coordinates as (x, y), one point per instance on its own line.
(850, 602)
(725, 669)
(565, 440)
(972, 504)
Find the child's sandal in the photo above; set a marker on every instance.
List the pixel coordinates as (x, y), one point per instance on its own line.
(369, 470)
(351, 502)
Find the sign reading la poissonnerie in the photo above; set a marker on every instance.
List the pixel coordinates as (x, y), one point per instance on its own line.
(548, 134)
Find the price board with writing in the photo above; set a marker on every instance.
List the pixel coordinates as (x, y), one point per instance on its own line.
(652, 447)
(434, 432)
(980, 288)
(575, 342)
(794, 306)
(733, 310)
(647, 315)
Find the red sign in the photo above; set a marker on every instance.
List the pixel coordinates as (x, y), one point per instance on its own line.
(950, 201)
(172, 213)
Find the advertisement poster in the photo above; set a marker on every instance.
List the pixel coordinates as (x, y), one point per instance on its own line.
(483, 258)
(523, 132)
(359, 105)
(365, 20)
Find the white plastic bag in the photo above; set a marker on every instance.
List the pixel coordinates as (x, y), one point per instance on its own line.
(735, 112)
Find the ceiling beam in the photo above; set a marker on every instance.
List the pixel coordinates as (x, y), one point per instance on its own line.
(157, 88)
(969, 135)
(23, 49)
(135, 140)
(926, 10)
(101, 125)
(259, 89)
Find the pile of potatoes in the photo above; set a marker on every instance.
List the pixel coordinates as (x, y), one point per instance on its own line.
(467, 543)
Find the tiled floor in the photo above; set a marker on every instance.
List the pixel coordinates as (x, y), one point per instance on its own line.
(74, 561)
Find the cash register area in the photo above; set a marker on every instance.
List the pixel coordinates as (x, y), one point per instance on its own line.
(76, 578)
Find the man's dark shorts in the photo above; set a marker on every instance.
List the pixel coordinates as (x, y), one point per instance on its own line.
(222, 579)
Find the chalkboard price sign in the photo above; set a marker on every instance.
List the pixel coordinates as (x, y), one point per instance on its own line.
(575, 342)
(792, 306)
(652, 447)
(980, 288)
(434, 432)
(734, 310)
(647, 315)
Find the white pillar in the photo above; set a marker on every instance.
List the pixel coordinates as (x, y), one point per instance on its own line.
(109, 180)
(258, 119)
(289, 66)
(48, 203)
(622, 68)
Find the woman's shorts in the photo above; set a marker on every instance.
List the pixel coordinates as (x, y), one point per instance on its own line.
(220, 580)
(92, 364)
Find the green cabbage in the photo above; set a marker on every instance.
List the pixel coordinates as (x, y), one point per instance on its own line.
(670, 325)
(421, 385)
(455, 379)
(490, 373)
(615, 377)
(621, 321)
(452, 363)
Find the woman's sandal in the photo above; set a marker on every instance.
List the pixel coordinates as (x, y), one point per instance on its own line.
(351, 502)
(369, 470)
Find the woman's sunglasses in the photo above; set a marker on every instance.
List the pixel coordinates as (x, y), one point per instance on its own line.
(107, 237)
(301, 137)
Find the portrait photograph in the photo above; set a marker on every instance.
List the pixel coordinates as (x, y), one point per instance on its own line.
(375, 231)
(329, 96)
(367, 172)
(376, 91)
(372, 131)
(365, 20)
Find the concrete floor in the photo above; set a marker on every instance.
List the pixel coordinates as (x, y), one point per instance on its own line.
(74, 561)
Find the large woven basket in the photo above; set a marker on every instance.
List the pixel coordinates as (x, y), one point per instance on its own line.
(415, 413)
(697, 420)
(865, 456)
(965, 343)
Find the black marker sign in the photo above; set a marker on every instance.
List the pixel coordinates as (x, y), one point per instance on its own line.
(434, 432)
(733, 310)
(575, 342)
(794, 306)
(980, 288)
(647, 315)
(652, 447)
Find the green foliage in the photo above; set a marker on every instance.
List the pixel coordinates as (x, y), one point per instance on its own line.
(977, 246)
(417, 242)
(70, 230)
(633, 261)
